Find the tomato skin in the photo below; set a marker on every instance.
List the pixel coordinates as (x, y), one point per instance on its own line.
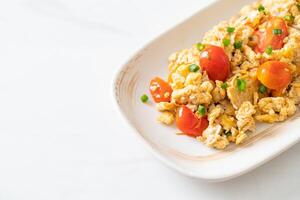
(160, 90)
(261, 44)
(274, 74)
(189, 123)
(215, 62)
(268, 38)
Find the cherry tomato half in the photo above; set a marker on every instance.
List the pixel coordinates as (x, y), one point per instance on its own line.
(160, 90)
(273, 36)
(215, 62)
(274, 74)
(189, 123)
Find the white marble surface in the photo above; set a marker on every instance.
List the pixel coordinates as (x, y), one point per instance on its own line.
(60, 137)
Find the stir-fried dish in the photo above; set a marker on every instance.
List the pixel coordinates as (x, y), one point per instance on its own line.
(245, 70)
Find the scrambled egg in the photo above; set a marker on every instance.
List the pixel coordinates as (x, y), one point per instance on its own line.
(232, 113)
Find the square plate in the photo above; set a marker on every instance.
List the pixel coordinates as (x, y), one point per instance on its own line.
(182, 153)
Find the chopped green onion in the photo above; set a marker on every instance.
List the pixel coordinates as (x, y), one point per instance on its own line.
(228, 133)
(241, 85)
(201, 110)
(200, 46)
(289, 18)
(224, 86)
(269, 50)
(277, 31)
(238, 44)
(298, 6)
(194, 68)
(226, 42)
(262, 89)
(230, 29)
(144, 98)
(261, 8)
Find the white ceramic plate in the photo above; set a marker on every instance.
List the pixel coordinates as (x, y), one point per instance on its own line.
(182, 153)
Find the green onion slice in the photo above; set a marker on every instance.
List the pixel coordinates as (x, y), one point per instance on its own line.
(277, 31)
(226, 42)
(261, 8)
(262, 89)
(201, 110)
(200, 46)
(144, 98)
(230, 29)
(238, 44)
(194, 68)
(224, 86)
(241, 85)
(269, 50)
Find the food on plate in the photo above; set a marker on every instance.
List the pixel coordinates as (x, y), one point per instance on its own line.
(144, 98)
(189, 123)
(160, 90)
(243, 71)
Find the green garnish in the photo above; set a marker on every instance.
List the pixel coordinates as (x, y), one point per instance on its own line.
(230, 29)
(228, 133)
(144, 98)
(298, 6)
(289, 18)
(241, 85)
(277, 31)
(201, 110)
(238, 44)
(226, 42)
(269, 50)
(200, 46)
(224, 86)
(261, 8)
(262, 89)
(194, 68)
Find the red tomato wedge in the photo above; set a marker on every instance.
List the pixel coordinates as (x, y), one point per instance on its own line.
(273, 36)
(215, 62)
(189, 123)
(160, 90)
(274, 74)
